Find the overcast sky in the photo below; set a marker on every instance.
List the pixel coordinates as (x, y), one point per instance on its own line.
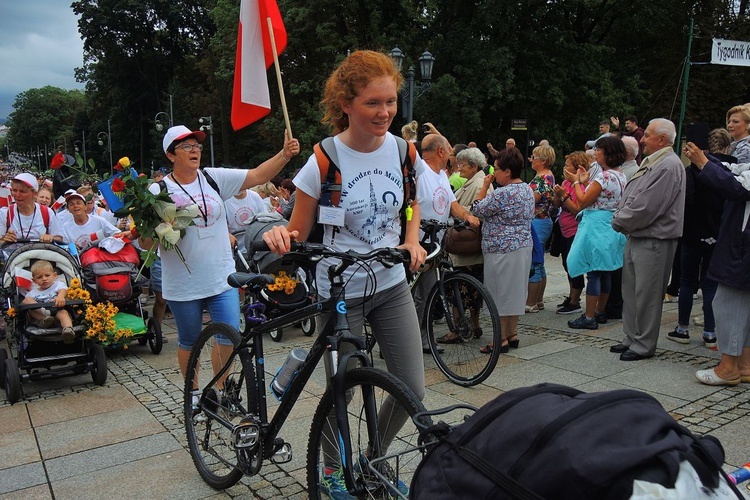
(39, 45)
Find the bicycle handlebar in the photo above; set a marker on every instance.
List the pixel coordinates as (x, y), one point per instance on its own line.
(387, 256)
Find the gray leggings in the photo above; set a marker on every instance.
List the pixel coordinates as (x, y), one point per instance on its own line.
(394, 324)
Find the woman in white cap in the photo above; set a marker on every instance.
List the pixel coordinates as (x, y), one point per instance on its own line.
(26, 219)
(86, 229)
(205, 246)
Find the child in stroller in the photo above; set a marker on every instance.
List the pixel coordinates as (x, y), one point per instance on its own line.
(50, 289)
(37, 352)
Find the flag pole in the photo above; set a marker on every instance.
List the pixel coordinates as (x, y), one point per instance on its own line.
(278, 78)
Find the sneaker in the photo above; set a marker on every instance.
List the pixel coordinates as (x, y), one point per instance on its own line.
(601, 318)
(564, 303)
(709, 340)
(583, 323)
(196, 400)
(669, 298)
(385, 469)
(698, 321)
(332, 484)
(68, 335)
(569, 309)
(678, 336)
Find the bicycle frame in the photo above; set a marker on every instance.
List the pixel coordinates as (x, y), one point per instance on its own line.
(335, 332)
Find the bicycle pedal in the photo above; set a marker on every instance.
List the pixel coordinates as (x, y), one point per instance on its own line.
(246, 434)
(283, 455)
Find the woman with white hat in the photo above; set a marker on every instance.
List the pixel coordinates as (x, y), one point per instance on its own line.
(26, 219)
(205, 246)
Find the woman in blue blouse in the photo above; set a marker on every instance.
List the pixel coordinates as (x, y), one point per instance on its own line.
(506, 241)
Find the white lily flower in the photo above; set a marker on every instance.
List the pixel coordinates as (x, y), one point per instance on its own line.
(165, 210)
(166, 233)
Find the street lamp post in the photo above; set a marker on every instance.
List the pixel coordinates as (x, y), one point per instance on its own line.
(100, 137)
(414, 90)
(209, 126)
(171, 116)
(157, 121)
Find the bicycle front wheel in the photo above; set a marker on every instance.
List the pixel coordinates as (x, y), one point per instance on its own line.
(212, 408)
(461, 322)
(395, 436)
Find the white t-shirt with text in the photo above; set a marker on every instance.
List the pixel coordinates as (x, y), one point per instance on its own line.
(205, 245)
(372, 194)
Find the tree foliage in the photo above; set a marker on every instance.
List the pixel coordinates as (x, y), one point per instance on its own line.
(44, 118)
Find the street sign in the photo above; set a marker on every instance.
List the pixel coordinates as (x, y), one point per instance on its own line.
(519, 124)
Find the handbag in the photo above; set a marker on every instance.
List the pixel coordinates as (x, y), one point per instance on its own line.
(464, 240)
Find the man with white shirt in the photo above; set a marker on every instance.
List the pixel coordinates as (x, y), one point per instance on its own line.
(436, 201)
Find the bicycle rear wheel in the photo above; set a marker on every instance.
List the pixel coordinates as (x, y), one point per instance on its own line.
(463, 321)
(396, 434)
(218, 407)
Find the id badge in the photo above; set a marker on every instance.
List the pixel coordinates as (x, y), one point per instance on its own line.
(332, 216)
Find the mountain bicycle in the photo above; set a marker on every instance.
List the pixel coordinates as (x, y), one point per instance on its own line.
(363, 415)
(461, 309)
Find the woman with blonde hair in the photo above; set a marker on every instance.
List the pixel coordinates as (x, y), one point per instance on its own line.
(738, 125)
(409, 131)
(542, 159)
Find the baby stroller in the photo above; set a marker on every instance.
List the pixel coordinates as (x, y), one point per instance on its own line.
(35, 352)
(114, 277)
(262, 303)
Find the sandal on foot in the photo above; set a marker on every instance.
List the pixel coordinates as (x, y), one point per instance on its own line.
(513, 344)
(709, 377)
(449, 338)
(487, 349)
(532, 309)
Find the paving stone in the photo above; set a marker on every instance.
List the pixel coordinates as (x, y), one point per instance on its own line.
(21, 477)
(113, 455)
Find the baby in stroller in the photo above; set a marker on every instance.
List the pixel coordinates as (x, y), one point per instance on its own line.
(49, 289)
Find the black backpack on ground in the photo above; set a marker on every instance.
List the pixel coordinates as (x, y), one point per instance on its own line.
(552, 441)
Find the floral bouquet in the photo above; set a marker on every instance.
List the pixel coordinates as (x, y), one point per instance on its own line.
(99, 318)
(155, 215)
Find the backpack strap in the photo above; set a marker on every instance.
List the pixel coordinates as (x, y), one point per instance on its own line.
(11, 214)
(407, 153)
(330, 174)
(211, 181)
(45, 217)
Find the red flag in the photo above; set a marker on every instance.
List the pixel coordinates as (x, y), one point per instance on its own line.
(250, 101)
(58, 204)
(5, 197)
(23, 278)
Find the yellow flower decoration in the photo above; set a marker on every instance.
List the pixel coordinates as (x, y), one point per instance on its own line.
(11, 312)
(283, 282)
(99, 317)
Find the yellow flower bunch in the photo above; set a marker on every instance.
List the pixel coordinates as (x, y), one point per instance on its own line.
(99, 317)
(283, 282)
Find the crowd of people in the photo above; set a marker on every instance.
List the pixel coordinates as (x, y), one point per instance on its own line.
(622, 212)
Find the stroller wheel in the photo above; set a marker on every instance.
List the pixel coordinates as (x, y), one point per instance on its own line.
(155, 338)
(99, 370)
(3, 357)
(12, 381)
(276, 334)
(308, 326)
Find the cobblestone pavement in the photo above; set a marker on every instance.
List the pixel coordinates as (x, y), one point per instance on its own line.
(68, 438)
